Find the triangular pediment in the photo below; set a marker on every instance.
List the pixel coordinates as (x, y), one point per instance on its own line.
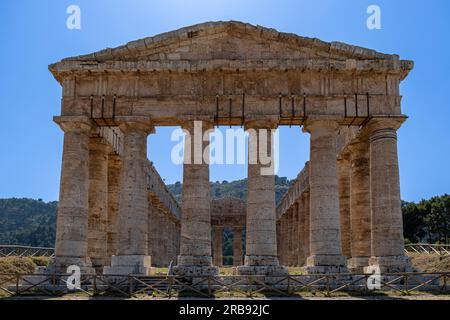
(223, 41)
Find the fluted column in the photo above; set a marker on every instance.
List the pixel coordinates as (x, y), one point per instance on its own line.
(218, 257)
(71, 247)
(98, 202)
(326, 253)
(295, 231)
(261, 243)
(359, 206)
(237, 246)
(132, 254)
(301, 230)
(114, 175)
(307, 227)
(386, 215)
(154, 235)
(195, 248)
(343, 167)
(279, 240)
(163, 238)
(290, 237)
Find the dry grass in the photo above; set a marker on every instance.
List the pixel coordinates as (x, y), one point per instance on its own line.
(430, 262)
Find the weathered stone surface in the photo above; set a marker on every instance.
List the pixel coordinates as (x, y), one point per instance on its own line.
(360, 206)
(387, 224)
(237, 246)
(195, 246)
(133, 205)
(325, 245)
(217, 242)
(72, 219)
(98, 202)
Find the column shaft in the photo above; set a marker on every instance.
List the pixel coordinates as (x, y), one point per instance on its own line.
(98, 202)
(237, 246)
(195, 247)
(261, 242)
(218, 257)
(387, 225)
(72, 219)
(301, 231)
(343, 167)
(132, 253)
(114, 175)
(360, 206)
(325, 246)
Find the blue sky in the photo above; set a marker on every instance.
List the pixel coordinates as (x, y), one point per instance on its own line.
(34, 34)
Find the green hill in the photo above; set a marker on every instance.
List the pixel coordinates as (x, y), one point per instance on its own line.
(27, 222)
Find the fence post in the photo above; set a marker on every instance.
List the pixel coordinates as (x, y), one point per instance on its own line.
(289, 284)
(406, 284)
(130, 285)
(209, 286)
(444, 285)
(94, 287)
(17, 284)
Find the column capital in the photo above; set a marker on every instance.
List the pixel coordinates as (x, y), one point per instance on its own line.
(135, 123)
(375, 125)
(74, 123)
(321, 125)
(268, 124)
(191, 124)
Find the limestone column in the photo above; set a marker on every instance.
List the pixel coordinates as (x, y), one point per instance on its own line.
(114, 174)
(386, 215)
(325, 246)
(172, 250)
(279, 239)
(343, 167)
(295, 231)
(301, 231)
(289, 226)
(178, 241)
(218, 257)
(132, 253)
(98, 202)
(72, 220)
(359, 206)
(307, 228)
(237, 246)
(195, 243)
(286, 238)
(261, 243)
(154, 235)
(163, 237)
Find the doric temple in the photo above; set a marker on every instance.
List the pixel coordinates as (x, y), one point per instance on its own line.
(342, 213)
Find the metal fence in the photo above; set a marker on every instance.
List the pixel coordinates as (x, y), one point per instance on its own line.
(439, 249)
(23, 251)
(217, 286)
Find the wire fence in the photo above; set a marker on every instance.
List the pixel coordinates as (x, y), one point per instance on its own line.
(24, 251)
(439, 249)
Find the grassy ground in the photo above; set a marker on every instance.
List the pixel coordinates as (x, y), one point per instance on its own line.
(21, 264)
(430, 262)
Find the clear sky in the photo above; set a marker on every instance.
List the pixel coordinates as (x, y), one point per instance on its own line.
(33, 34)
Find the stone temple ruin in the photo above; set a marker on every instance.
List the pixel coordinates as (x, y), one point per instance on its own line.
(343, 212)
